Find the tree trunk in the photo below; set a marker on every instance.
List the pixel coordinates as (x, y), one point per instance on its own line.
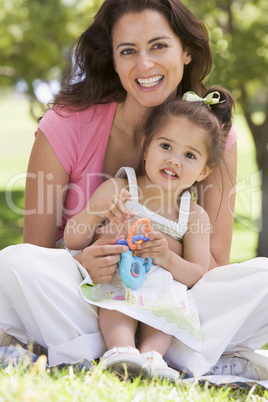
(263, 235)
(260, 136)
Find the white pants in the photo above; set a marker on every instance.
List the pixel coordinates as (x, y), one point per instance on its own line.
(40, 300)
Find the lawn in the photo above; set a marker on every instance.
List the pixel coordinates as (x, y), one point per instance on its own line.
(40, 384)
(37, 383)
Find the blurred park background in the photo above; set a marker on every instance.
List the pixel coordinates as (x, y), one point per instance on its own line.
(36, 39)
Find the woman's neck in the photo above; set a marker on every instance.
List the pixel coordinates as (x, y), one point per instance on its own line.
(128, 116)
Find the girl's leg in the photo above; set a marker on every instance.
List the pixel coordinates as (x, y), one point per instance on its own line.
(153, 344)
(122, 356)
(118, 329)
(152, 339)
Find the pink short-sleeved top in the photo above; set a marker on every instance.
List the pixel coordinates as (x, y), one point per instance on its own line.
(79, 139)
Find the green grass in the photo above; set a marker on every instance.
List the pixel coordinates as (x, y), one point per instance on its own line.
(17, 129)
(248, 199)
(37, 383)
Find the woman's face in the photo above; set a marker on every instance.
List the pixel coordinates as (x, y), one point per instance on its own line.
(148, 57)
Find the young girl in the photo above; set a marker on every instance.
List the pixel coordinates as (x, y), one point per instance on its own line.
(184, 140)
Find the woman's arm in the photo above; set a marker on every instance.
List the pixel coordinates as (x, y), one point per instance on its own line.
(45, 193)
(217, 196)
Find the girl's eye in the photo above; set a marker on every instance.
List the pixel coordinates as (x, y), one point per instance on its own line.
(125, 52)
(189, 155)
(166, 146)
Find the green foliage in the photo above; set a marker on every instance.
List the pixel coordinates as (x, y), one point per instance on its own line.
(36, 37)
(239, 37)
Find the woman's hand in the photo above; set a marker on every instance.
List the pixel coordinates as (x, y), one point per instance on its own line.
(101, 258)
(157, 248)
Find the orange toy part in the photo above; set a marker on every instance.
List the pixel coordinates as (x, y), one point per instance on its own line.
(132, 231)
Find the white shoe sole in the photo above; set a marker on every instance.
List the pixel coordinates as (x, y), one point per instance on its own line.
(165, 374)
(127, 365)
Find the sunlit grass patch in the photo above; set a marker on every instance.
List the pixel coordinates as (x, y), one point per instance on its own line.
(25, 382)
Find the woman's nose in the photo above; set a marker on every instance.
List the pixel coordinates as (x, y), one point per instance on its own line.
(144, 63)
(175, 162)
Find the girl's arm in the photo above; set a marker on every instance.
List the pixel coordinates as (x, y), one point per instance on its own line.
(217, 197)
(194, 262)
(108, 201)
(44, 194)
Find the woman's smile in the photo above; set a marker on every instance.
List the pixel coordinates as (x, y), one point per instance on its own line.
(150, 82)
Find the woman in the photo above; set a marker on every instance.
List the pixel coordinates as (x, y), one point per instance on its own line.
(134, 56)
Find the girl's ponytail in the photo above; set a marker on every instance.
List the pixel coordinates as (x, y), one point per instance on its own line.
(223, 109)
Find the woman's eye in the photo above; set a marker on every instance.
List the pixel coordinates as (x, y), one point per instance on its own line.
(127, 52)
(159, 45)
(165, 146)
(189, 155)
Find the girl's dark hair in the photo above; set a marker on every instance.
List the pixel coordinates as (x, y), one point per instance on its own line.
(94, 79)
(216, 120)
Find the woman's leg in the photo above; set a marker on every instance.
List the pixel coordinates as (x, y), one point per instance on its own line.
(118, 329)
(40, 301)
(232, 302)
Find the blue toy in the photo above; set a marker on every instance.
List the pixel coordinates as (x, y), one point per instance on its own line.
(133, 269)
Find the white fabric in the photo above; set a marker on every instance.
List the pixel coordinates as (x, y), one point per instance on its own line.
(39, 299)
(175, 229)
(159, 302)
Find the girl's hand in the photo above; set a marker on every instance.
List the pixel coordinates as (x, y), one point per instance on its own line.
(156, 248)
(113, 207)
(101, 258)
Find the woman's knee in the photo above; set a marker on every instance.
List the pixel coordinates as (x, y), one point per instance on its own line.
(11, 259)
(26, 261)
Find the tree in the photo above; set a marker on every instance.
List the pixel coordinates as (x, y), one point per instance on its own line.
(239, 36)
(36, 39)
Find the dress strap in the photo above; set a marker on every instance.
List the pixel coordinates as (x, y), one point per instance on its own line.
(184, 212)
(132, 181)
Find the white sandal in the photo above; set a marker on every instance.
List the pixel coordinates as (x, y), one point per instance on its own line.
(159, 367)
(126, 360)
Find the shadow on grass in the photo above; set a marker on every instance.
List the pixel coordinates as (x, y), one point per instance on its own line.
(11, 223)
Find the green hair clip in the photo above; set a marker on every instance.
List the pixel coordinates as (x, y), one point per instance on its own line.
(211, 99)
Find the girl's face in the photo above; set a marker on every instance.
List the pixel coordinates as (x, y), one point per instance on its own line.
(176, 156)
(148, 57)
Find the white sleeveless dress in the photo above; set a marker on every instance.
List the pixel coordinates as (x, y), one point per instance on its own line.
(160, 302)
